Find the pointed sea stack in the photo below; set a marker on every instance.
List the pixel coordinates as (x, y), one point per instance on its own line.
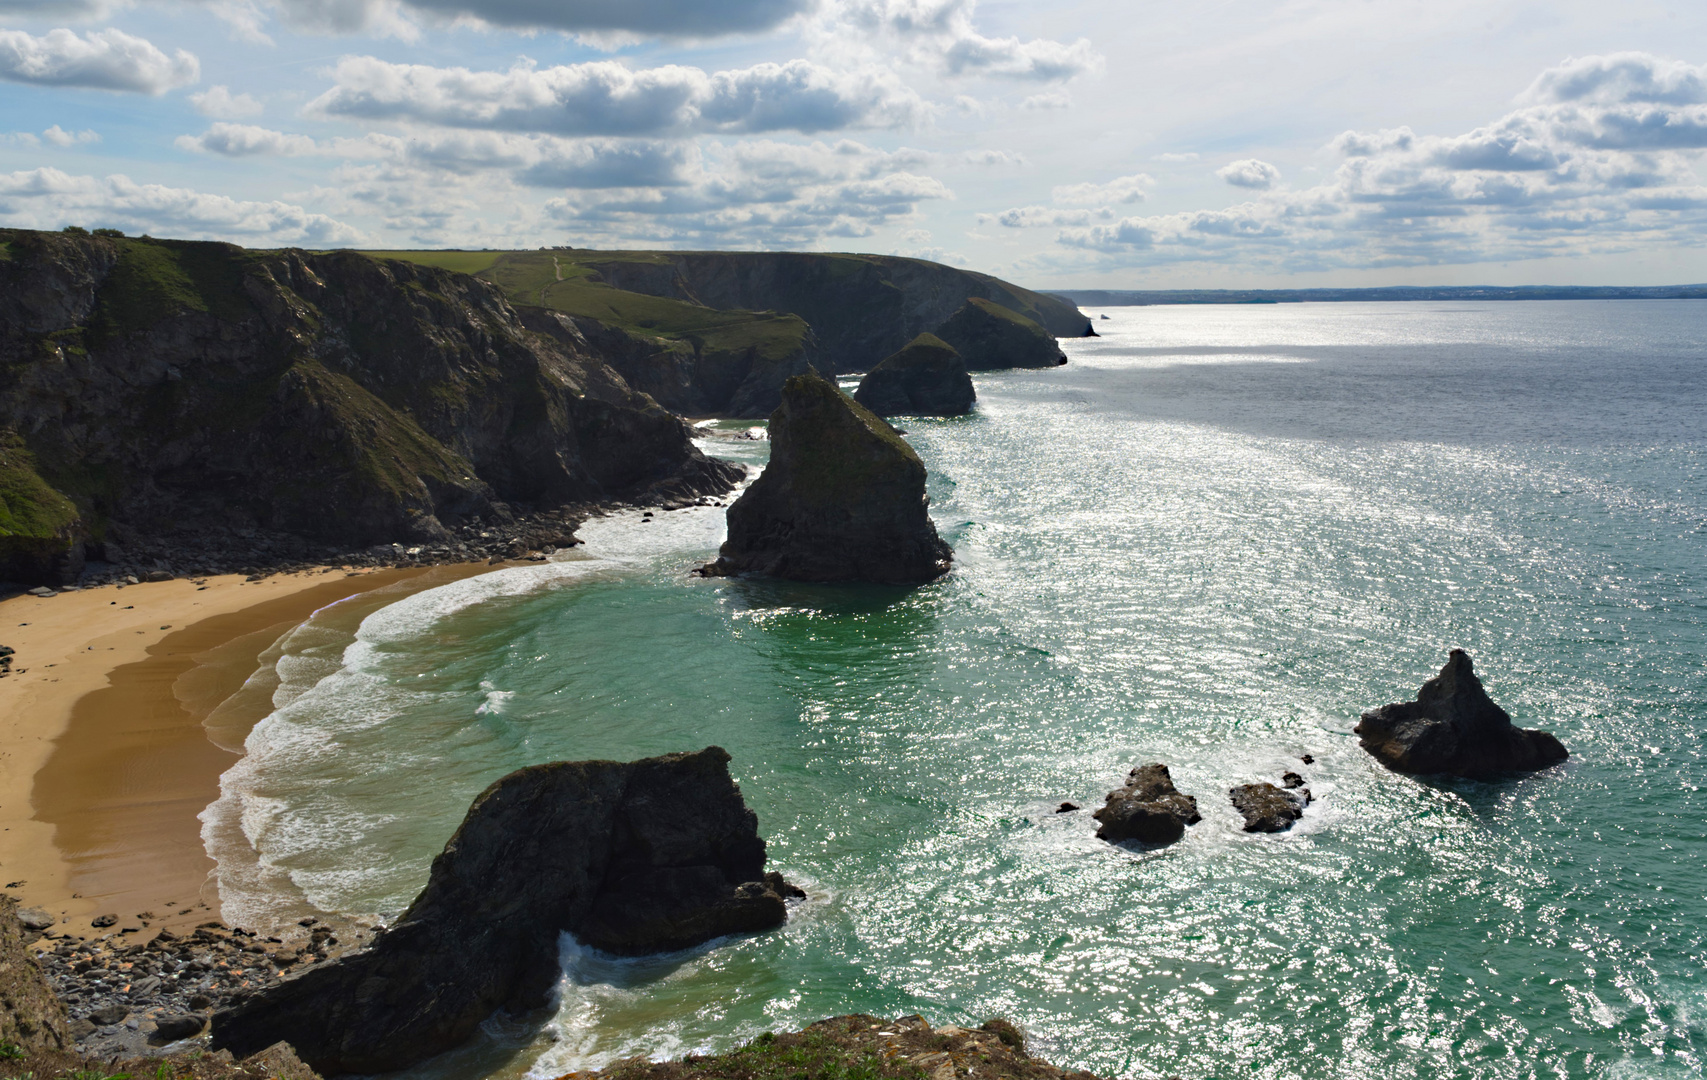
(1454, 727)
(843, 499)
(631, 857)
(1148, 809)
(927, 378)
(989, 337)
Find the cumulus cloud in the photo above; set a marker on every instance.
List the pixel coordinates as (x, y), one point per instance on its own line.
(49, 199)
(1122, 189)
(632, 18)
(58, 9)
(1600, 155)
(221, 104)
(1250, 173)
(994, 157)
(1177, 157)
(58, 136)
(941, 33)
(247, 140)
(103, 60)
(1049, 99)
(608, 98)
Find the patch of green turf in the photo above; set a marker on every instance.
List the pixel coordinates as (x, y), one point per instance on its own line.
(462, 262)
(29, 507)
(157, 279)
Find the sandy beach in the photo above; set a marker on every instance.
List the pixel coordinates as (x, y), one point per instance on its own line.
(104, 757)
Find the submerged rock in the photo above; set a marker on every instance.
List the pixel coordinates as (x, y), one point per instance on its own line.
(926, 378)
(637, 857)
(843, 499)
(990, 337)
(1454, 727)
(1148, 809)
(1267, 808)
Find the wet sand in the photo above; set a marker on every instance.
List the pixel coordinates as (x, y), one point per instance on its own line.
(105, 759)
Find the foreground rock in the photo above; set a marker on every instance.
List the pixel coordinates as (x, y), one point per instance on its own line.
(1147, 809)
(927, 378)
(638, 857)
(843, 499)
(990, 337)
(1454, 727)
(907, 1048)
(1267, 808)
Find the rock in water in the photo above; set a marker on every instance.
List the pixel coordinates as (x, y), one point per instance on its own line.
(1267, 808)
(1147, 809)
(843, 498)
(990, 337)
(1454, 727)
(927, 378)
(638, 857)
(31, 1016)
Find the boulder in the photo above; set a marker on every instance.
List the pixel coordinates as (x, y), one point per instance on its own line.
(1267, 808)
(990, 337)
(1147, 809)
(31, 1016)
(926, 378)
(843, 499)
(639, 857)
(1454, 727)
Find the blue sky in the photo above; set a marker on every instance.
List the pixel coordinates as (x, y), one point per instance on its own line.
(1121, 143)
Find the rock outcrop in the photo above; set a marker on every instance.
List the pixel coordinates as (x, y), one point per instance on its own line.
(843, 499)
(990, 337)
(927, 378)
(859, 306)
(1453, 727)
(1148, 809)
(1267, 808)
(31, 1016)
(638, 857)
(156, 385)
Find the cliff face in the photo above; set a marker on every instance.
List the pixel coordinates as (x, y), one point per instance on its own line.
(861, 308)
(348, 399)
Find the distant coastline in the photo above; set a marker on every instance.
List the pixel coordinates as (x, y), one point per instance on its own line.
(1143, 297)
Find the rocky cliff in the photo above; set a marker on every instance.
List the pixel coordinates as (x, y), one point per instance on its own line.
(926, 378)
(843, 499)
(861, 308)
(152, 385)
(645, 856)
(990, 337)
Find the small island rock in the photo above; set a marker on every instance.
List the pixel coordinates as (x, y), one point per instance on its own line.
(843, 499)
(1267, 808)
(637, 857)
(989, 337)
(1454, 727)
(926, 378)
(1148, 808)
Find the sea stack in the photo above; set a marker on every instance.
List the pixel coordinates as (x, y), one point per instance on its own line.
(843, 499)
(1453, 727)
(926, 378)
(1148, 809)
(637, 857)
(989, 337)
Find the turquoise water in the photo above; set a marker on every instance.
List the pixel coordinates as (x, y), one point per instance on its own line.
(1212, 540)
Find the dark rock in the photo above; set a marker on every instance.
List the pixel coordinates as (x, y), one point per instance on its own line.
(926, 378)
(174, 1026)
(103, 921)
(647, 856)
(35, 919)
(1308, 759)
(31, 1017)
(1148, 809)
(843, 499)
(1291, 780)
(1454, 727)
(990, 337)
(1267, 808)
(108, 1015)
(1066, 808)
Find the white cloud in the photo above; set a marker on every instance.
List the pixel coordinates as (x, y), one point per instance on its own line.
(1030, 217)
(1122, 189)
(1602, 157)
(1177, 157)
(941, 33)
(58, 9)
(221, 104)
(623, 19)
(49, 199)
(104, 60)
(58, 136)
(247, 140)
(1049, 99)
(994, 157)
(607, 98)
(1250, 173)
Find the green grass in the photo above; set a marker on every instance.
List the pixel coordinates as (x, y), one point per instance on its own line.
(462, 262)
(29, 507)
(157, 279)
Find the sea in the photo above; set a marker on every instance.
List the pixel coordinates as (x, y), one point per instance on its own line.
(1212, 540)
